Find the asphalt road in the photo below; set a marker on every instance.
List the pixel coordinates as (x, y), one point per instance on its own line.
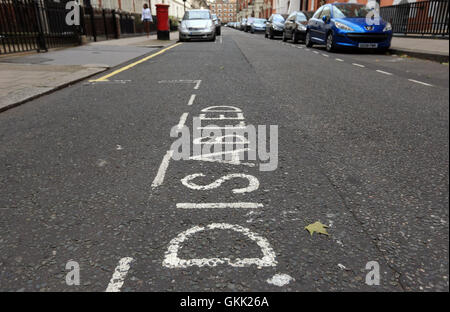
(362, 148)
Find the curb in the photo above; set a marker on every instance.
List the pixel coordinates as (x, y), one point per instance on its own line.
(436, 57)
(7, 107)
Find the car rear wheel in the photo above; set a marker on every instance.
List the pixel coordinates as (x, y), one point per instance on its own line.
(330, 43)
(308, 41)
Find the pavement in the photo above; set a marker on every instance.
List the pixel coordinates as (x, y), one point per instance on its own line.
(25, 77)
(88, 175)
(432, 49)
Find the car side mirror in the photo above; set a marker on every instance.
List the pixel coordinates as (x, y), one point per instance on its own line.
(325, 19)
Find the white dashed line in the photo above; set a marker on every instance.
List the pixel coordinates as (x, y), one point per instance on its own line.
(191, 100)
(159, 179)
(316, 52)
(383, 72)
(182, 120)
(219, 205)
(359, 65)
(197, 85)
(420, 82)
(339, 60)
(326, 55)
(119, 274)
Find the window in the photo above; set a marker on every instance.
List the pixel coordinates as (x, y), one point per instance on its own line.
(318, 12)
(301, 17)
(326, 12)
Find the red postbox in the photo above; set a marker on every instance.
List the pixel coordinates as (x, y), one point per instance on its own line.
(162, 21)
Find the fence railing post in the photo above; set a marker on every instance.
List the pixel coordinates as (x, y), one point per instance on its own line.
(40, 27)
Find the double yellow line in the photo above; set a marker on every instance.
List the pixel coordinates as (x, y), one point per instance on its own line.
(105, 78)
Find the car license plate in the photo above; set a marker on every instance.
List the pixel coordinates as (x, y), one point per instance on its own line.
(368, 45)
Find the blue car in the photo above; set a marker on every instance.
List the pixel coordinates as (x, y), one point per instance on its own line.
(347, 25)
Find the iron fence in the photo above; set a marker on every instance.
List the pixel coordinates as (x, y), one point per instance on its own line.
(424, 18)
(27, 25)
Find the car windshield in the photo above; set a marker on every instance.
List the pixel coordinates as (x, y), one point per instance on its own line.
(301, 17)
(349, 10)
(278, 18)
(192, 15)
(259, 21)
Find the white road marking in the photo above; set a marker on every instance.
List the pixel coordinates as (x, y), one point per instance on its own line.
(326, 55)
(244, 205)
(191, 99)
(197, 85)
(359, 65)
(316, 52)
(159, 179)
(422, 83)
(119, 274)
(171, 259)
(383, 72)
(339, 60)
(182, 120)
(253, 183)
(280, 280)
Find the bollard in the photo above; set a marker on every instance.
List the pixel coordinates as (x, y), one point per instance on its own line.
(162, 21)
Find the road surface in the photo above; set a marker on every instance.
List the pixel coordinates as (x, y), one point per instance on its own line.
(87, 175)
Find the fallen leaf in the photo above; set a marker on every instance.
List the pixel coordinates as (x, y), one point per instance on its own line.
(317, 227)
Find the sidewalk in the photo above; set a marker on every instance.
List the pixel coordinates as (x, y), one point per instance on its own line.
(25, 77)
(431, 49)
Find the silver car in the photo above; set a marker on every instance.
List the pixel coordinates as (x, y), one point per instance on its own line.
(197, 24)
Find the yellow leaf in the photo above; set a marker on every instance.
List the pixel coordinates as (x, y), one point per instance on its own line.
(317, 227)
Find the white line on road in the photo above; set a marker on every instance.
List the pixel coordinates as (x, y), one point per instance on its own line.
(359, 65)
(182, 120)
(171, 259)
(245, 205)
(159, 179)
(339, 60)
(326, 55)
(383, 72)
(422, 83)
(197, 85)
(316, 52)
(191, 100)
(119, 274)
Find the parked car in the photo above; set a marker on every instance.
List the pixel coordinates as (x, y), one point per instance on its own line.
(275, 25)
(248, 23)
(197, 24)
(258, 25)
(217, 23)
(295, 26)
(341, 25)
(243, 24)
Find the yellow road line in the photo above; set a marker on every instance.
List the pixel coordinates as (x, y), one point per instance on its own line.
(105, 78)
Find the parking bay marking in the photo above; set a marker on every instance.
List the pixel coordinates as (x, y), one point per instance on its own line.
(244, 205)
(119, 274)
(191, 99)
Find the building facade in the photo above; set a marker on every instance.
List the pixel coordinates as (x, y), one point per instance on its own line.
(224, 9)
(264, 8)
(176, 8)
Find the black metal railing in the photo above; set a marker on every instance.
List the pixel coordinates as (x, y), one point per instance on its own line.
(27, 25)
(424, 18)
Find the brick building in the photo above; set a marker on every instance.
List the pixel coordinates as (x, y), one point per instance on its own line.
(224, 9)
(264, 8)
